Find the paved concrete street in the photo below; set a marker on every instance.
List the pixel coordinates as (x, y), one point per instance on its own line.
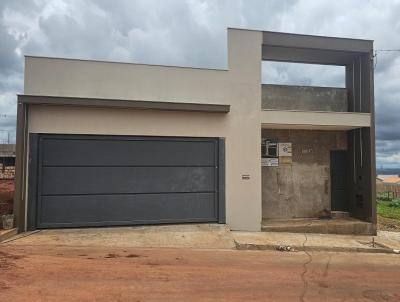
(67, 273)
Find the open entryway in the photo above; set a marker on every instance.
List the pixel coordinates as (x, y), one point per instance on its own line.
(305, 185)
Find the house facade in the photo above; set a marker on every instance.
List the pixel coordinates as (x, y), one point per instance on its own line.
(104, 143)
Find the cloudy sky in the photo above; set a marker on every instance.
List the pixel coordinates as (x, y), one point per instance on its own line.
(193, 33)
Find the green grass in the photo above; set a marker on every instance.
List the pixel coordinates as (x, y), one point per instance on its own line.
(389, 208)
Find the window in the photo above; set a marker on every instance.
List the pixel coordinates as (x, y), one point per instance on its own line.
(269, 148)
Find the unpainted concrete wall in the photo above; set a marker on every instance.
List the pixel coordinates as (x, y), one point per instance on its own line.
(300, 189)
(284, 97)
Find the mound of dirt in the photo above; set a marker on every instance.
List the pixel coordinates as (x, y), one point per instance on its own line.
(388, 224)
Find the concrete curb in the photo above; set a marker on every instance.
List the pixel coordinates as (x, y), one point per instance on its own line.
(6, 234)
(271, 247)
(19, 236)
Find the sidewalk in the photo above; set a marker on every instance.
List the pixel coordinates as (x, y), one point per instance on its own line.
(383, 243)
(194, 236)
(207, 236)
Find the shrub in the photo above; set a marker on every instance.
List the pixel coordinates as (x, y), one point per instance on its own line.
(395, 203)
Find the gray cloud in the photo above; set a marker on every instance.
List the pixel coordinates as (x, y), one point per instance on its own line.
(303, 74)
(193, 33)
(8, 57)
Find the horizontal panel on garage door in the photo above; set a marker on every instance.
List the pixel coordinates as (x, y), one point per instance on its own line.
(126, 209)
(90, 180)
(128, 152)
(113, 180)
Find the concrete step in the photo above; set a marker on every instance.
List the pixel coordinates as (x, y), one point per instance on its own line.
(340, 214)
(344, 226)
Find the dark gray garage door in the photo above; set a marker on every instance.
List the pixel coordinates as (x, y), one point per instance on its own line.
(108, 180)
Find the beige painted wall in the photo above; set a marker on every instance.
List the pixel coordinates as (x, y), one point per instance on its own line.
(240, 87)
(82, 78)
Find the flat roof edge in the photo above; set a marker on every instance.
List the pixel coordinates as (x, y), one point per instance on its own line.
(120, 62)
(322, 43)
(316, 36)
(304, 86)
(124, 104)
(297, 34)
(245, 29)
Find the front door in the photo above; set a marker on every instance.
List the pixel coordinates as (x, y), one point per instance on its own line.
(338, 181)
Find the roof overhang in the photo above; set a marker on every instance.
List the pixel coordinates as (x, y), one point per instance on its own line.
(312, 49)
(124, 104)
(314, 120)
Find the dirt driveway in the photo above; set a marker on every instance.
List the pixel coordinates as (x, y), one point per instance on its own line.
(65, 273)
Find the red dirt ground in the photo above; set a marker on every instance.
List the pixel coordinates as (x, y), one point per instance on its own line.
(51, 273)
